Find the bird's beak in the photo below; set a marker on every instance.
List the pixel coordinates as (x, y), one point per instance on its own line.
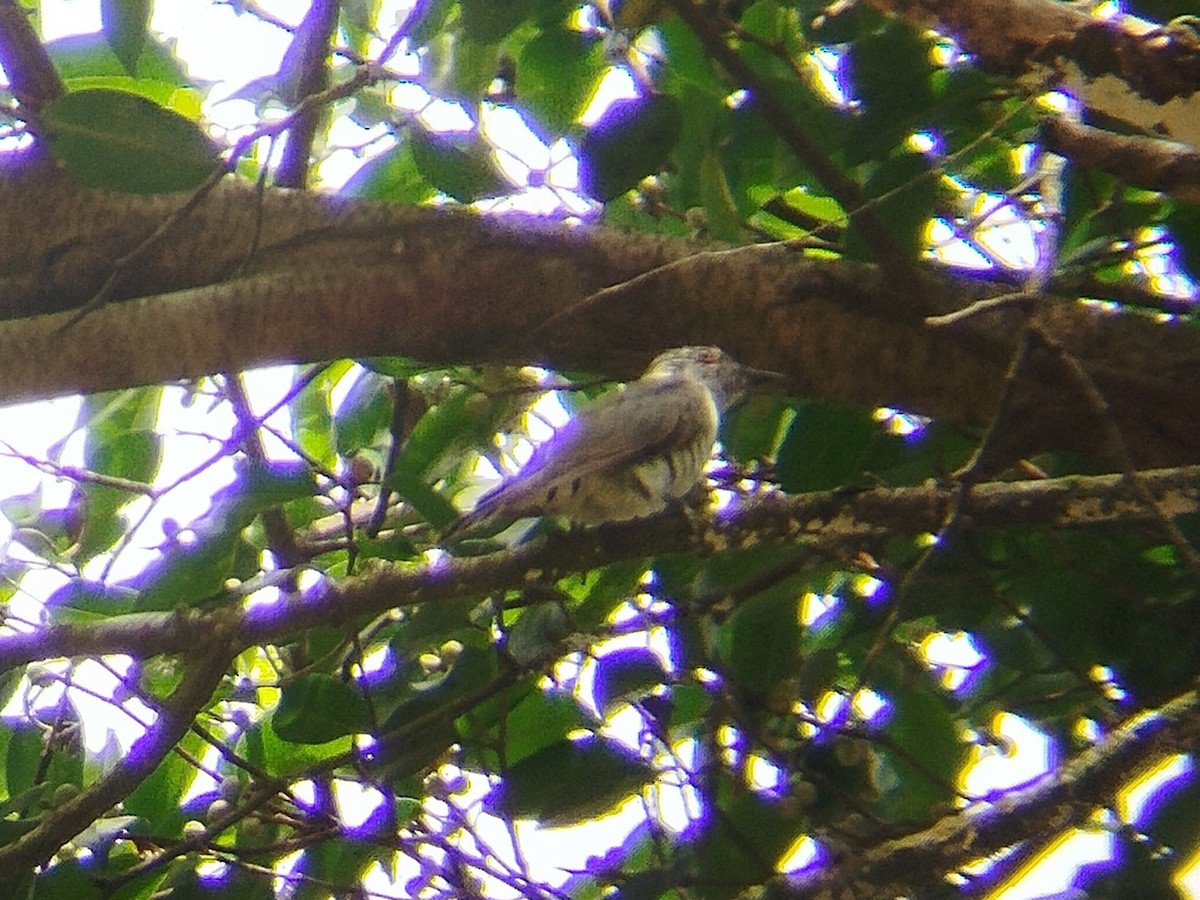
(762, 381)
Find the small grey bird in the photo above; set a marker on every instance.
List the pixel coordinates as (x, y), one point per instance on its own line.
(632, 451)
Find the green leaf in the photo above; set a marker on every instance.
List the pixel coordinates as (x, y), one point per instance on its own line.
(198, 569)
(122, 142)
(462, 67)
(570, 781)
(904, 194)
(121, 441)
(81, 600)
(263, 746)
(460, 167)
(316, 708)
(991, 166)
(363, 414)
(90, 55)
(536, 636)
(392, 176)
(601, 590)
(335, 861)
(538, 721)
(1184, 224)
(66, 880)
(22, 752)
(761, 641)
(633, 139)
(748, 836)
(722, 220)
(624, 674)
(752, 430)
(157, 800)
(555, 74)
(824, 447)
(358, 17)
(455, 422)
(312, 421)
(124, 23)
(429, 20)
(923, 773)
(474, 668)
(890, 70)
(487, 20)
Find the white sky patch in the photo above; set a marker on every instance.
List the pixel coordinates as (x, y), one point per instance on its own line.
(1047, 874)
(232, 50)
(954, 655)
(1139, 798)
(1024, 753)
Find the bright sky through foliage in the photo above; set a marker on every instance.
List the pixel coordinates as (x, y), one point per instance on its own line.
(247, 49)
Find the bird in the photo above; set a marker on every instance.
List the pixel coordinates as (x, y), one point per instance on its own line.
(630, 453)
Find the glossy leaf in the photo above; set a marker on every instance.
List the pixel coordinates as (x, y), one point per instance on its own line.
(200, 566)
(393, 176)
(316, 708)
(363, 414)
(539, 721)
(554, 76)
(631, 140)
(570, 781)
(462, 168)
(926, 758)
(625, 674)
(536, 637)
(903, 191)
(890, 71)
(484, 20)
(123, 142)
(84, 56)
(761, 641)
(824, 447)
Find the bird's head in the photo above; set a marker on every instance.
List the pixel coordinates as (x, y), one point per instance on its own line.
(726, 379)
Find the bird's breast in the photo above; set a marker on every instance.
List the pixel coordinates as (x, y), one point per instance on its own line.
(636, 489)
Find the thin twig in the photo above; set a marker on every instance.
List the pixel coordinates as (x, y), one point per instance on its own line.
(363, 76)
(1120, 450)
(1020, 300)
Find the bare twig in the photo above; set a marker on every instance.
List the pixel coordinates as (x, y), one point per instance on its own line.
(203, 671)
(31, 74)
(305, 68)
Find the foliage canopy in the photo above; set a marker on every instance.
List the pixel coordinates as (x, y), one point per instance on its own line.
(929, 205)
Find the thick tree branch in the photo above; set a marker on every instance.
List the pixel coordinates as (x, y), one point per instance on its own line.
(1055, 803)
(204, 669)
(335, 278)
(1009, 36)
(1147, 162)
(834, 521)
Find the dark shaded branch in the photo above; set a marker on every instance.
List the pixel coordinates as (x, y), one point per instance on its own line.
(31, 74)
(305, 67)
(834, 522)
(1053, 804)
(204, 670)
(1147, 162)
(1011, 36)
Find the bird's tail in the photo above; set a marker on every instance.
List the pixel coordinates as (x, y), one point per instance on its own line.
(488, 511)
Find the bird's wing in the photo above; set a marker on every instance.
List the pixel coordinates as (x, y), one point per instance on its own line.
(619, 429)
